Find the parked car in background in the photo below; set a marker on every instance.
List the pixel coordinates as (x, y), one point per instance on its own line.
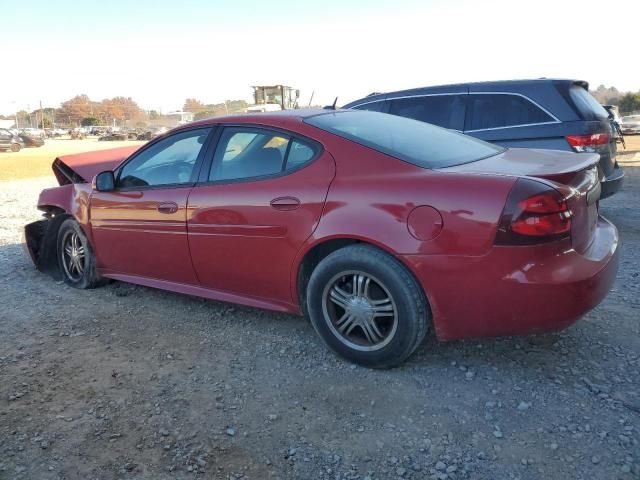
(33, 132)
(113, 137)
(377, 227)
(614, 116)
(152, 133)
(630, 125)
(543, 113)
(9, 141)
(31, 141)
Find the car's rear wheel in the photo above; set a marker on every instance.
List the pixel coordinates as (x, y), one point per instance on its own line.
(367, 307)
(75, 257)
(15, 147)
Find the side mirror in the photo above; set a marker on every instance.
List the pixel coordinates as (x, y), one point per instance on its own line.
(104, 182)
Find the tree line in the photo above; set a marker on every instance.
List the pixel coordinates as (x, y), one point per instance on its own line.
(627, 102)
(82, 111)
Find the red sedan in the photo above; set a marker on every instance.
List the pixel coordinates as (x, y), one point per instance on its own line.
(376, 227)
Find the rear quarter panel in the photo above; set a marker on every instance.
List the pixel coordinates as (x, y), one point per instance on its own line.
(373, 194)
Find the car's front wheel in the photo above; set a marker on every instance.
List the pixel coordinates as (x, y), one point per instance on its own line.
(15, 147)
(76, 260)
(367, 307)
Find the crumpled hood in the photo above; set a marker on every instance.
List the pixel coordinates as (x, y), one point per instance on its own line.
(82, 167)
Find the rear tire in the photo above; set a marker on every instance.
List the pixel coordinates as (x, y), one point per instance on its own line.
(367, 307)
(15, 147)
(76, 260)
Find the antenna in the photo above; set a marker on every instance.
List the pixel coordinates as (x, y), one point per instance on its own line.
(331, 107)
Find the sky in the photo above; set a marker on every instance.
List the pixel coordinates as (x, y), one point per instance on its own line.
(161, 52)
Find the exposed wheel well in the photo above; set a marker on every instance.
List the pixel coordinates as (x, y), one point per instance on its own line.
(314, 256)
(42, 238)
(311, 259)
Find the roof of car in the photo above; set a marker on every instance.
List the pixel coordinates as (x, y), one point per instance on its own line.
(468, 85)
(263, 117)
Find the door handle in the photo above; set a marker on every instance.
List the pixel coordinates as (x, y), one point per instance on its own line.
(168, 207)
(285, 203)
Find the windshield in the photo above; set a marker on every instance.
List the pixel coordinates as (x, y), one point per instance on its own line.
(419, 143)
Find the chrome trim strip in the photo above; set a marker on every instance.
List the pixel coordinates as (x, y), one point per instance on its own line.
(512, 126)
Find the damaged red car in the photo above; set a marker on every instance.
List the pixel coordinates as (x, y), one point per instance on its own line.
(376, 227)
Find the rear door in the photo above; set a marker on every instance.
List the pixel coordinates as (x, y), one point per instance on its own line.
(261, 198)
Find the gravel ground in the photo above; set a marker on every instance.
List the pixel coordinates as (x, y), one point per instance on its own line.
(130, 382)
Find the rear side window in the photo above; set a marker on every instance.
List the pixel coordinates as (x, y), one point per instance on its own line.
(588, 106)
(502, 110)
(415, 142)
(443, 110)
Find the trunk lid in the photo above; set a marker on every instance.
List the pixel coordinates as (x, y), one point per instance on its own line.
(575, 175)
(82, 167)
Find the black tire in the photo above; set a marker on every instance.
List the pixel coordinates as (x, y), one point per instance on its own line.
(403, 332)
(15, 147)
(83, 274)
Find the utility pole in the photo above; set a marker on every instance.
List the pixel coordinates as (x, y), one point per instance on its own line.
(41, 115)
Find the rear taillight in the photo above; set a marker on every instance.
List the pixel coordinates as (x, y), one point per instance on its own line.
(588, 143)
(534, 213)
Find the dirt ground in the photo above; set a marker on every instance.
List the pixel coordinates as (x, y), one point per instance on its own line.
(126, 382)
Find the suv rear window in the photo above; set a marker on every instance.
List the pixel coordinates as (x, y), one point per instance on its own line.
(419, 143)
(588, 106)
(499, 110)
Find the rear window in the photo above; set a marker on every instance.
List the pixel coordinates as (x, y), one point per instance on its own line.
(588, 106)
(502, 110)
(415, 142)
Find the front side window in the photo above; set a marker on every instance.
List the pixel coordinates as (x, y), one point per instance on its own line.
(443, 110)
(496, 110)
(416, 142)
(246, 152)
(169, 161)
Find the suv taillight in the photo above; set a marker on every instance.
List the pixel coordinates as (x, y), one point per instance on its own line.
(534, 213)
(588, 143)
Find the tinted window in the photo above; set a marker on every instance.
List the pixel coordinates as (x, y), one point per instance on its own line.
(253, 152)
(586, 104)
(372, 106)
(420, 143)
(166, 162)
(443, 110)
(502, 110)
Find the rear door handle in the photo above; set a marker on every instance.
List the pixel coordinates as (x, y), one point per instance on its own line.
(168, 207)
(285, 203)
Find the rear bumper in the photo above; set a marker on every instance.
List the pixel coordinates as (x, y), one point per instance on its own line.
(517, 290)
(612, 183)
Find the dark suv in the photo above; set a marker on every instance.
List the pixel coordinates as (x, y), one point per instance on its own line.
(543, 113)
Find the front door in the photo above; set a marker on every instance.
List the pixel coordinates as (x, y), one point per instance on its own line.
(262, 198)
(140, 228)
